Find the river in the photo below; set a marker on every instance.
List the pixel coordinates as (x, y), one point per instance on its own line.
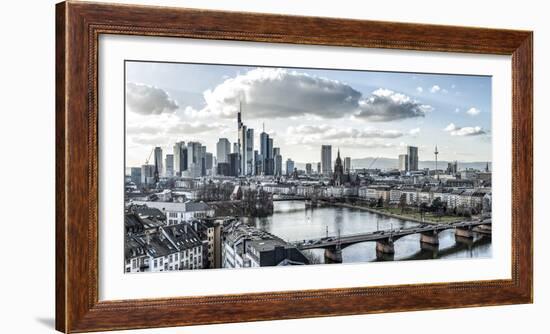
(291, 221)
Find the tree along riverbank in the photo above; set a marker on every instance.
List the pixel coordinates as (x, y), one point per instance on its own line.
(383, 212)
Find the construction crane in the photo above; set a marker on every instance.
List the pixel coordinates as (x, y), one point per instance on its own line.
(149, 158)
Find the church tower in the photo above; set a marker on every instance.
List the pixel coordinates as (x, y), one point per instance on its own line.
(338, 178)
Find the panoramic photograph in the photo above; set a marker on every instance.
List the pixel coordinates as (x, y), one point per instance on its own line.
(233, 166)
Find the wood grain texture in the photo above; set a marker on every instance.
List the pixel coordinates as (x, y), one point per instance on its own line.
(78, 27)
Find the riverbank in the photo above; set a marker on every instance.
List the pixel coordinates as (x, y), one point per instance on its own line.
(392, 215)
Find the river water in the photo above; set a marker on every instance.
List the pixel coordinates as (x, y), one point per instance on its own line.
(291, 221)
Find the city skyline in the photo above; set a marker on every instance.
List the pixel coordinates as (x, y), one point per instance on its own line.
(379, 122)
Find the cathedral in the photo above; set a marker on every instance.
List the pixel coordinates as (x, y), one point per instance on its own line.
(338, 176)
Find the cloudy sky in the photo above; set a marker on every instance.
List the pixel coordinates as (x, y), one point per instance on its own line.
(365, 114)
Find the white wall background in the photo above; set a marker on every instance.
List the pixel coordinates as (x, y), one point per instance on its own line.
(27, 70)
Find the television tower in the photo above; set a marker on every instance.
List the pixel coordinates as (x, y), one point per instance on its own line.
(436, 170)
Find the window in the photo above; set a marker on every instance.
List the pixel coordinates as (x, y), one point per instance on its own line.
(156, 263)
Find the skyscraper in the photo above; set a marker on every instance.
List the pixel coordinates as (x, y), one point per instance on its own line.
(347, 164)
(436, 152)
(403, 163)
(326, 159)
(249, 152)
(195, 160)
(208, 162)
(159, 169)
(135, 175)
(258, 163)
(223, 149)
(266, 151)
(234, 164)
(203, 160)
(278, 161)
(319, 168)
(241, 142)
(412, 152)
(180, 158)
(308, 169)
(147, 174)
(169, 165)
(289, 167)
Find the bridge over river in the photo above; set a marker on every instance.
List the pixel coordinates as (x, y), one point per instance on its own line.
(385, 239)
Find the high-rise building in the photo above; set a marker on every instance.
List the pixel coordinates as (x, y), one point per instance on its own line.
(278, 162)
(412, 152)
(169, 165)
(135, 175)
(234, 164)
(147, 174)
(347, 164)
(266, 151)
(452, 168)
(195, 160)
(436, 152)
(403, 162)
(258, 163)
(249, 152)
(289, 167)
(203, 160)
(159, 166)
(208, 163)
(308, 169)
(278, 159)
(319, 168)
(223, 149)
(241, 142)
(180, 158)
(326, 159)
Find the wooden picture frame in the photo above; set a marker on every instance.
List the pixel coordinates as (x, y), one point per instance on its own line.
(78, 27)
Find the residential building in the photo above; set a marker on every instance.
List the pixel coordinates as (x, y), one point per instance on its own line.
(177, 213)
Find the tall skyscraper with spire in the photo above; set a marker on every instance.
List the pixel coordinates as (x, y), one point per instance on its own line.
(241, 142)
(436, 170)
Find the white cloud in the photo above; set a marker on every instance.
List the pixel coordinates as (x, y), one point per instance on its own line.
(419, 89)
(386, 105)
(414, 132)
(457, 110)
(282, 93)
(435, 89)
(146, 100)
(473, 111)
(464, 131)
(271, 92)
